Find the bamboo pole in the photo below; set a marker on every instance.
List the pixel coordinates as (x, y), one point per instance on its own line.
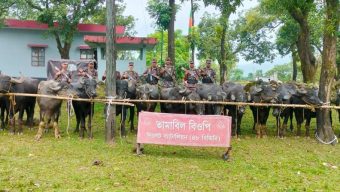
(130, 101)
(111, 101)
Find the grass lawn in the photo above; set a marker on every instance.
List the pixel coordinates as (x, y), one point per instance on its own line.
(66, 164)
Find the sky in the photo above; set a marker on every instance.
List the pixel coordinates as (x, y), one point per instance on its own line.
(144, 25)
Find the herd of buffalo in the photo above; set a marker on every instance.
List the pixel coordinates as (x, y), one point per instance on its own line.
(254, 92)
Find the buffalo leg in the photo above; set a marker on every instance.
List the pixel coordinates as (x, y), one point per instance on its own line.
(132, 116)
(89, 126)
(299, 120)
(20, 120)
(12, 122)
(82, 126)
(2, 118)
(238, 124)
(56, 130)
(40, 130)
(123, 119)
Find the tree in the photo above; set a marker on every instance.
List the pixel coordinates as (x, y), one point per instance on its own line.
(99, 17)
(283, 72)
(110, 123)
(324, 130)
(4, 8)
(250, 77)
(209, 39)
(253, 33)
(259, 73)
(164, 14)
(236, 74)
(182, 47)
(226, 8)
(286, 42)
(300, 12)
(67, 14)
(171, 32)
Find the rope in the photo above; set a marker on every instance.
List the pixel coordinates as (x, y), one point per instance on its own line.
(110, 98)
(69, 106)
(124, 102)
(323, 142)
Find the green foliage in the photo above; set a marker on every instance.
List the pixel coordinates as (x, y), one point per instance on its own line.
(283, 72)
(5, 9)
(287, 37)
(250, 77)
(99, 17)
(254, 37)
(236, 74)
(161, 12)
(209, 37)
(181, 51)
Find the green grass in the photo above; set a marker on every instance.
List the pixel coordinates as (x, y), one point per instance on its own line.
(271, 164)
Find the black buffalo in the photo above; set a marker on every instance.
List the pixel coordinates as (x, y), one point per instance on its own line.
(211, 92)
(4, 111)
(50, 107)
(147, 92)
(305, 96)
(85, 88)
(235, 93)
(122, 92)
(285, 92)
(179, 93)
(19, 103)
(260, 92)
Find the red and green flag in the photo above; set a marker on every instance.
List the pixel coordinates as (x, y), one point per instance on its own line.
(191, 24)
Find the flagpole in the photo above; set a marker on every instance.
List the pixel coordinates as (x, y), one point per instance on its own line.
(191, 24)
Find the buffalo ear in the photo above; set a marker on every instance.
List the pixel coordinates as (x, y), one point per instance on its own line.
(232, 97)
(258, 89)
(248, 97)
(18, 81)
(209, 97)
(301, 91)
(286, 97)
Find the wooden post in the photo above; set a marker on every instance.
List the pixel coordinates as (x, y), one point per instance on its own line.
(110, 123)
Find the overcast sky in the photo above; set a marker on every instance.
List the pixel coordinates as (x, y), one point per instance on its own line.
(145, 25)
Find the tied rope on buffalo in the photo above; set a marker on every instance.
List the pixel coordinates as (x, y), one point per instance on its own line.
(69, 107)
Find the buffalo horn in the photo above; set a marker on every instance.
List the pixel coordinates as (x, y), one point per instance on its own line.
(13, 80)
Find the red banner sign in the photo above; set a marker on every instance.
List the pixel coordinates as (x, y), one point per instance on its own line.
(186, 130)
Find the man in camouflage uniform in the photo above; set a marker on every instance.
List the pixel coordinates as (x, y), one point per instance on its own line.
(207, 73)
(89, 71)
(130, 74)
(152, 74)
(63, 75)
(191, 76)
(168, 74)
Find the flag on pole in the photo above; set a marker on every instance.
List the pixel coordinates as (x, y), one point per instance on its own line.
(190, 22)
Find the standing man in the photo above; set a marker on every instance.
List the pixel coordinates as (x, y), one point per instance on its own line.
(89, 71)
(63, 75)
(130, 74)
(208, 74)
(191, 76)
(168, 74)
(152, 73)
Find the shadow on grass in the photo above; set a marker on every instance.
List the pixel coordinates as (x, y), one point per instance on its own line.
(182, 152)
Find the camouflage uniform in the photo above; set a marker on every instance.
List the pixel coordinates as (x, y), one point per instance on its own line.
(169, 76)
(150, 72)
(63, 77)
(91, 72)
(191, 77)
(131, 75)
(208, 75)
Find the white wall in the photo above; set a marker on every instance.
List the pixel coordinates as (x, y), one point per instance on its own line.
(16, 55)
